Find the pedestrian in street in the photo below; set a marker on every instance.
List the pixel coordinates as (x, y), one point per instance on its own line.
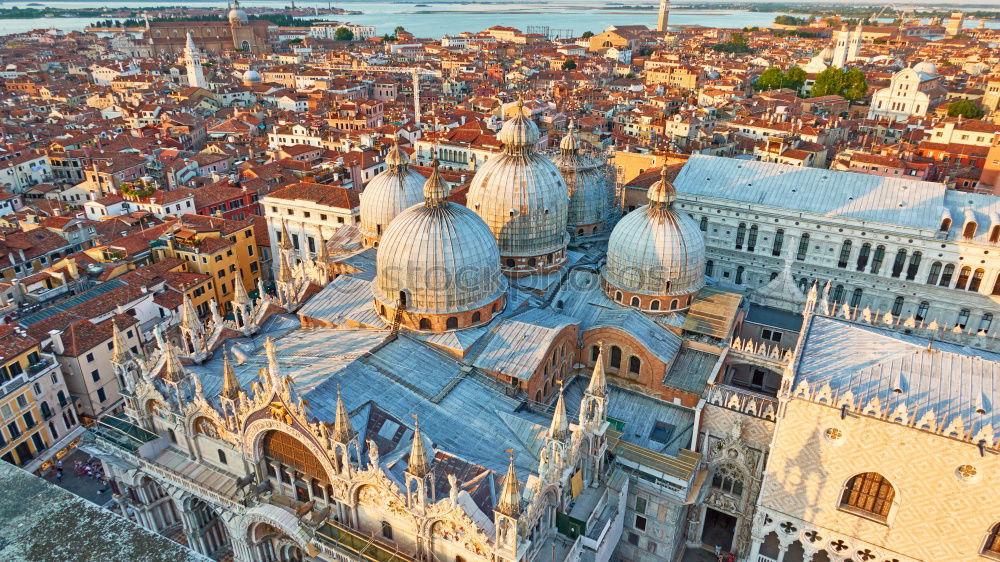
(59, 465)
(59, 475)
(732, 557)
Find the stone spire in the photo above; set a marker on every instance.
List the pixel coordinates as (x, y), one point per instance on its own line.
(343, 431)
(417, 463)
(173, 370)
(436, 189)
(509, 502)
(231, 388)
(560, 425)
(284, 268)
(189, 318)
(569, 145)
(119, 352)
(192, 62)
(240, 296)
(598, 380)
(286, 240)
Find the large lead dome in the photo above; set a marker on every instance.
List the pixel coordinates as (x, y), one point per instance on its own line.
(388, 194)
(522, 197)
(656, 256)
(438, 265)
(587, 184)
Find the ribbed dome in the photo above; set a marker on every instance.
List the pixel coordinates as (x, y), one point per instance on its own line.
(389, 194)
(251, 76)
(441, 255)
(655, 250)
(521, 195)
(586, 182)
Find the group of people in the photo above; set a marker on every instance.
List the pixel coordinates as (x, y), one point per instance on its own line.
(90, 469)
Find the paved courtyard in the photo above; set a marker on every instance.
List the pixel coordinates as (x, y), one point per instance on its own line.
(84, 486)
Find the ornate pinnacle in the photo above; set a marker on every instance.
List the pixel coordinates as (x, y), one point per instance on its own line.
(509, 502)
(343, 431)
(417, 463)
(231, 388)
(598, 380)
(560, 425)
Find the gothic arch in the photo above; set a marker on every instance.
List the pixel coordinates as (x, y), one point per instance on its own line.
(257, 430)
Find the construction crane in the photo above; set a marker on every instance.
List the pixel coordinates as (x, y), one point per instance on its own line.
(415, 72)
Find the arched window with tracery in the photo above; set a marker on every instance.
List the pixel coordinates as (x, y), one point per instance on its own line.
(870, 494)
(728, 479)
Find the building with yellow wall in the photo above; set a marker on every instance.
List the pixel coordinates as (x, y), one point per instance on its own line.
(36, 413)
(223, 249)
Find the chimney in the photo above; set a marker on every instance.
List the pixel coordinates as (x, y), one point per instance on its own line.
(57, 342)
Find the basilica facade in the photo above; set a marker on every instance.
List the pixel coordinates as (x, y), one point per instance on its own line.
(452, 382)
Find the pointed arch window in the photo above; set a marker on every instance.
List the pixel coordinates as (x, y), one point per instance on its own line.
(869, 494)
(386, 530)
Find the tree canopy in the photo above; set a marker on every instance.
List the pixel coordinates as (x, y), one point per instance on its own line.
(569, 65)
(965, 108)
(343, 34)
(774, 78)
(849, 83)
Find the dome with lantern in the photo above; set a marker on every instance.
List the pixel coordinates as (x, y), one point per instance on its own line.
(251, 77)
(522, 197)
(388, 194)
(437, 266)
(588, 186)
(237, 16)
(656, 256)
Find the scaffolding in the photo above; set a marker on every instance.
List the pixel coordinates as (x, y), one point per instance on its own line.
(549, 32)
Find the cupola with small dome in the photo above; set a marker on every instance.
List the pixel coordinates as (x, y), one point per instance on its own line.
(588, 185)
(388, 194)
(656, 256)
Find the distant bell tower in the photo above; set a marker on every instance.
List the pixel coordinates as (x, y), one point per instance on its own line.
(192, 59)
(661, 23)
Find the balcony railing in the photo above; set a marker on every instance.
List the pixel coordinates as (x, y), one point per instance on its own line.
(364, 547)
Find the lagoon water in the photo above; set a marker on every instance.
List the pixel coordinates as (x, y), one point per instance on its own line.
(430, 18)
(427, 18)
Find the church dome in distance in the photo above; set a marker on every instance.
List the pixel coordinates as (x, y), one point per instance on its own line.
(656, 256)
(438, 266)
(388, 194)
(237, 16)
(926, 67)
(251, 77)
(522, 197)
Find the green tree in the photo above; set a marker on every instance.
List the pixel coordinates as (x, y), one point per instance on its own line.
(588, 34)
(795, 78)
(965, 108)
(770, 79)
(343, 34)
(830, 82)
(569, 65)
(855, 84)
(398, 29)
